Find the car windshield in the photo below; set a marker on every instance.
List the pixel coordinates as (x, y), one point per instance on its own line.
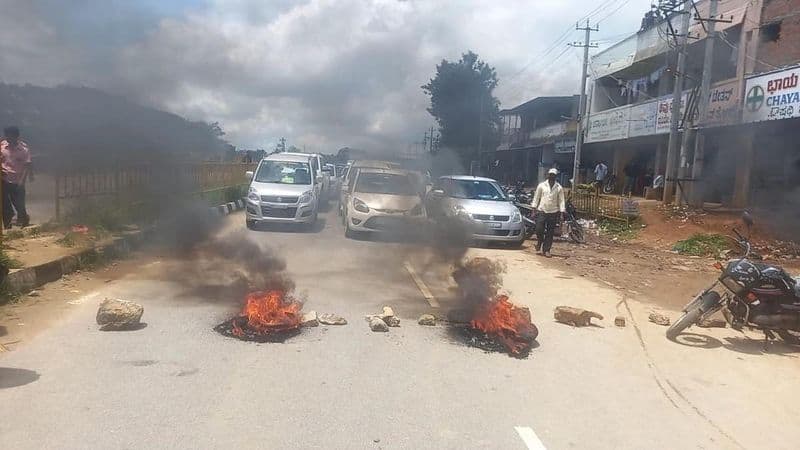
(283, 172)
(475, 190)
(384, 183)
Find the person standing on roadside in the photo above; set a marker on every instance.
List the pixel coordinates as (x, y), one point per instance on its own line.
(15, 159)
(548, 204)
(600, 172)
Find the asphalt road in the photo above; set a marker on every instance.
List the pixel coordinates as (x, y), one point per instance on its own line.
(178, 384)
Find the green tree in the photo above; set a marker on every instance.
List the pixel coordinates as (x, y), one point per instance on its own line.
(461, 99)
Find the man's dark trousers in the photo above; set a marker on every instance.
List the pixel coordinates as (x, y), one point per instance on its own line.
(545, 229)
(14, 199)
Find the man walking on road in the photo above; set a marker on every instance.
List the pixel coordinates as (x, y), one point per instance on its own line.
(15, 159)
(548, 204)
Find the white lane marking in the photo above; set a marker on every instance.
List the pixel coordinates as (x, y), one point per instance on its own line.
(530, 438)
(421, 285)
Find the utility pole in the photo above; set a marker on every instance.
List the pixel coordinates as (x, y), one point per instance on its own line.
(582, 102)
(696, 197)
(680, 74)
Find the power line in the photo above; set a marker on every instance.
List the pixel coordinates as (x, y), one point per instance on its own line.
(614, 11)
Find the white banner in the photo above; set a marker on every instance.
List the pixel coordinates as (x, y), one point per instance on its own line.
(772, 97)
(643, 119)
(608, 125)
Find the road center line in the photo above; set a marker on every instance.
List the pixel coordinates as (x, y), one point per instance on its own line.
(423, 288)
(530, 439)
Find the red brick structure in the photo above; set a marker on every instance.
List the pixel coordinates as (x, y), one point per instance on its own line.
(779, 35)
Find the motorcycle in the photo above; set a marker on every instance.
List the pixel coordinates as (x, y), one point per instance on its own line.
(517, 192)
(574, 229)
(756, 295)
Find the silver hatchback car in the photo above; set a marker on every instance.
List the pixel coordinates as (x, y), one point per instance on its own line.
(480, 201)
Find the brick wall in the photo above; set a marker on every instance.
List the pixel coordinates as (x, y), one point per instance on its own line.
(785, 51)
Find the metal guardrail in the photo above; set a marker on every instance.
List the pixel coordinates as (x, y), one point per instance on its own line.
(134, 183)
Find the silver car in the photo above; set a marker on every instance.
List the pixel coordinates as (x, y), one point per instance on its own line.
(283, 189)
(479, 201)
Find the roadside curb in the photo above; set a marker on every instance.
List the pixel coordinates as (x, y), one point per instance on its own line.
(227, 208)
(29, 278)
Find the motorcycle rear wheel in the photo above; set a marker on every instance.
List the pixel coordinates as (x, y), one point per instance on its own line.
(576, 233)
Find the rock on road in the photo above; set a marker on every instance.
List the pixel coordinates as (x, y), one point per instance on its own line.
(178, 384)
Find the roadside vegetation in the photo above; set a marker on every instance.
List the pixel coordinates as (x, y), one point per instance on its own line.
(620, 231)
(703, 245)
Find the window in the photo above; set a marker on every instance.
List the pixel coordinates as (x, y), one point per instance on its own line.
(283, 172)
(384, 183)
(475, 190)
(771, 32)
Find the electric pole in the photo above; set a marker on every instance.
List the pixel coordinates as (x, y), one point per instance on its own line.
(696, 198)
(582, 102)
(680, 74)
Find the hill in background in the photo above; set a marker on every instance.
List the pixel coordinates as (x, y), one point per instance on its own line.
(82, 126)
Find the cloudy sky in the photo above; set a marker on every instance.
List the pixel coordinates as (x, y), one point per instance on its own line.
(323, 73)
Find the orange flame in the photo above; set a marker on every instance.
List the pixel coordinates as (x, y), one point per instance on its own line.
(510, 324)
(268, 311)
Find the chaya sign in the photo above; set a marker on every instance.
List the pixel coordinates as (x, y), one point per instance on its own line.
(773, 96)
(723, 105)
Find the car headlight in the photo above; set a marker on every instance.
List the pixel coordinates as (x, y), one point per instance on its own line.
(252, 194)
(360, 206)
(416, 211)
(306, 197)
(459, 211)
(516, 217)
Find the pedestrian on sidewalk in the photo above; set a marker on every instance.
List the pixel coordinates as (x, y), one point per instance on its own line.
(15, 159)
(548, 205)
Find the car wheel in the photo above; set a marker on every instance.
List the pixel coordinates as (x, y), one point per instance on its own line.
(349, 233)
(251, 224)
(516, 244)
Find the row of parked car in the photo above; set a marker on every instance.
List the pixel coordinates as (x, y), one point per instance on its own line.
(378, 197)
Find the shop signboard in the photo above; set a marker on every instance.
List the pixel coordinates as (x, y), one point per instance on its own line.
(609, 125)
(643, 119)
(664, 113)
(773, 96)
(724, 104)
(564, 146)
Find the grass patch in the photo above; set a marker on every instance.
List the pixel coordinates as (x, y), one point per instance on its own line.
(14, 234)
(9, 262)
(69, 240)
(702, 245)
(620, 230)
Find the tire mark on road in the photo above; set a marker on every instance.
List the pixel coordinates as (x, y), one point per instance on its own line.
(657, 376)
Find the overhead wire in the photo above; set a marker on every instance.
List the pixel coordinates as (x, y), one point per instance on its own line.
(560, 40)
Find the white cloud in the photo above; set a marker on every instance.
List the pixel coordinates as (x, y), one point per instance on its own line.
(322, 73)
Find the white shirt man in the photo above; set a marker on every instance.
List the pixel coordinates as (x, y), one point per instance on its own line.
(549, 196)
(549, 204)
(600, 172)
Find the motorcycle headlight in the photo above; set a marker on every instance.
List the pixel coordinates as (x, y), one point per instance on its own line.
(306, 197)
(252, 194)
(360, 206)
(516, 217)
(416, 211)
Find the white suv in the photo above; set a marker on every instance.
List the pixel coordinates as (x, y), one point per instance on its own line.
(284, 189)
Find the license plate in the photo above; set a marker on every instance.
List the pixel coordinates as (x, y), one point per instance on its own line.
(494, 224)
